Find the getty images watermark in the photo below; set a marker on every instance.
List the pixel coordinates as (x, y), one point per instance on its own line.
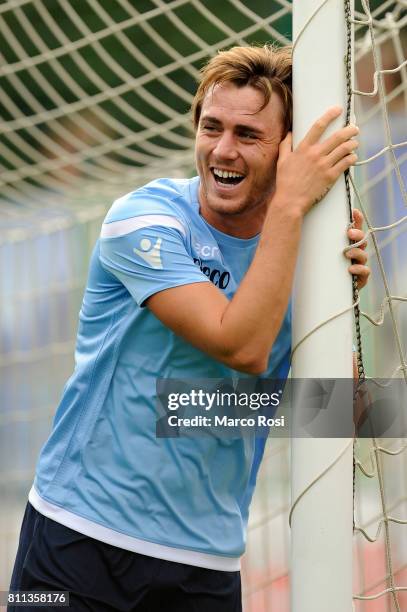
(315, 408)
(218, 400)
(220, 407)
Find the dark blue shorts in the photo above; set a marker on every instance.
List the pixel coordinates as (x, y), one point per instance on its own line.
(104, 578)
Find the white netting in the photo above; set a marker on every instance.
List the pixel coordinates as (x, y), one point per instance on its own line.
(94, 101)
(100, 92)
(380, 191)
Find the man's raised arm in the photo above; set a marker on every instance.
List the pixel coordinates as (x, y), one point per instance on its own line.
(241, 332)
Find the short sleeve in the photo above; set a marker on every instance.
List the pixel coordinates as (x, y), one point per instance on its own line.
(147, 256)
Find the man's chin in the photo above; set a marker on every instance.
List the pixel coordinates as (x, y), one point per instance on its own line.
(224, 206)
(224, 203)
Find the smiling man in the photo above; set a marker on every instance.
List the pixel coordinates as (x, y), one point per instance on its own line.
(190, 279)
(236, 153)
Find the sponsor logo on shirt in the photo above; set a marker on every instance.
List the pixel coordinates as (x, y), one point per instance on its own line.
(206, 250)
(219, 278)
(149, 253)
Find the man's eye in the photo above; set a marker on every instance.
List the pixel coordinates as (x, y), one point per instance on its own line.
(248, 135)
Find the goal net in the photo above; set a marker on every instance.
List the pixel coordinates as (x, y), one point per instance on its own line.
(380, 96)
(94, 102)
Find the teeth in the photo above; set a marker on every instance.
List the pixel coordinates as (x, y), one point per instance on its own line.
(226, 174)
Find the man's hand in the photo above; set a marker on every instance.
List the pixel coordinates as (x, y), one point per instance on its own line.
(357, 255)
(306, 174)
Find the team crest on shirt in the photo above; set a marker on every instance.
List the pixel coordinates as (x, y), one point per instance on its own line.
(150, 253)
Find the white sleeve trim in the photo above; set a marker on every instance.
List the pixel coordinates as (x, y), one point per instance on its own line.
(126, 226)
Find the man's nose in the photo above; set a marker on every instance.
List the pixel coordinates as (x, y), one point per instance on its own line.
(226, 147)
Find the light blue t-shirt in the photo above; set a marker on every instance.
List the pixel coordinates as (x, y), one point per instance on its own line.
(103, 471)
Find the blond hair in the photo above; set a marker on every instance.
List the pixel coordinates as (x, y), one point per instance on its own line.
(266, 68)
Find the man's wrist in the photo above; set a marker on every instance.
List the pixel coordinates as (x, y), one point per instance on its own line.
(292, 210)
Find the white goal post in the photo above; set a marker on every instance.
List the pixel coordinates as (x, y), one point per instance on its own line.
(321, 468)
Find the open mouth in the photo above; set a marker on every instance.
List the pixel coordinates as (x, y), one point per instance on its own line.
(227, 177)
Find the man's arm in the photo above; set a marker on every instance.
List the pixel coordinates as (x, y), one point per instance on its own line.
(241, 332)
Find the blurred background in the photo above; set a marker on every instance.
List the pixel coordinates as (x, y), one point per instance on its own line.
(94, 102)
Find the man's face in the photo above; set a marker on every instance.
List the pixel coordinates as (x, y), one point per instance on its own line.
(236, 152)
